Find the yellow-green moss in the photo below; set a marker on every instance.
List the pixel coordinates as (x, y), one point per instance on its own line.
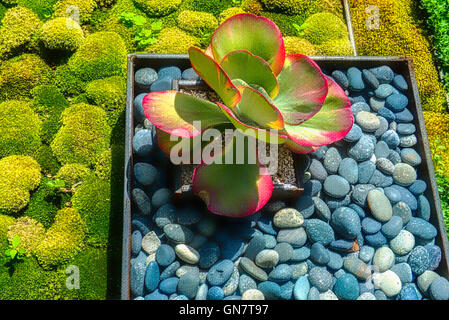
(290, 7)
(398, 35)
(102, 54)
(109, 94)
(322, 27)
(105, 3)
(5, 222)
(73, 173)
(285, 22)
(21, 74)
(43, 8)
(20, 128)
(61, 34)
(299, 45)
(226, 14)
(173, 40)
(84, 135)
(68, 82)
(214, 7)
(70, 8)
(437, 126)
(339, 47)
(103, 165)
(16, 33)
(18, 176)
(93, 201)
(30, 232)
(197, 22)
(63, 240)
(252, 6)
(112, 24)
(44, 156)
(158, 8)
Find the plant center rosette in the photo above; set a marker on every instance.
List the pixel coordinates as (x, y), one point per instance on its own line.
(266, 95)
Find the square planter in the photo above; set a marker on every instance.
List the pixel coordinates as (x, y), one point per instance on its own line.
(399, 64)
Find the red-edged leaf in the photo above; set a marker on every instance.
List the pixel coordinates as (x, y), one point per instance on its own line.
(302, 89)
(330, 124)
(297, 148)
(254, 107)
(258, 35)
(269, 136)
(231, 189)
(242, 64)
(216, 78)
(175, 112)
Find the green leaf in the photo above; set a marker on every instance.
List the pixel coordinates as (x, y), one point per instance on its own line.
(13, 253)
(15, 241)
(156, 25)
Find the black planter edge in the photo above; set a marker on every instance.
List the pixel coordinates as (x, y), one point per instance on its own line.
(344, 62)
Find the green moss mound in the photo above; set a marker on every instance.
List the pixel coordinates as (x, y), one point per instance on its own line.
(20, 128)
(104, 165)
(30, 232)
(226, 14)
(18, 176)
(61, 34)
(173, 40)
(93, 201)
(16, 33)
(214, 7)
(43, 8)
(49, 103)
(44, 204)
(252, 6)
(70, 8)
(63, 240)
(21, 74)
(322, 27)
(102, 55)
(158, 8)
(298, 45)
(84, 135)
(73, 173)
(48, 162)
(5, 222)
(68, 82)
(284, 22)
(197, 22)
(339, 47)
(109, 94)
(105, 3)
(290, 7)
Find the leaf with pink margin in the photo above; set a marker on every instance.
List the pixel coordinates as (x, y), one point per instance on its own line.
(296, 148)
(254, 107)
(258, 35)
(330, 124)
(302, 89)
(230, 189)
(269, 136)
(215, 77)
(242, 64)
(174, 112)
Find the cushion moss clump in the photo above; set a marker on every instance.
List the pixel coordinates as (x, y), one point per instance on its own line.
(49, 103)
(102, 54)
(173, 40)
(68, 82)
(437, 125)
(109, 94)
(158, 8)
(20, 128)
(399, 35)
(21, 74)
(322, 27)
(66, 8)
(84, 135)
(252, 6)
(285, 22)
(339, 47)
(46, 159)
(44, 204)
(105, 3)
(30, 233)
(214, 7)
(63, 240)
(73, 173)
(104, 165)
(43, 8)
(226, 14)
(197, 22)
(298, 45)
(16, 33)
(5, 222)
(93, 201)
(61, 34)
(18, 176)
(290, 7)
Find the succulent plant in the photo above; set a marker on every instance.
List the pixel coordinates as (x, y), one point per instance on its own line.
(285, 99)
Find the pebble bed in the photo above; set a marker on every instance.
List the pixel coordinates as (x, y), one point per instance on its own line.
(360, 231)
